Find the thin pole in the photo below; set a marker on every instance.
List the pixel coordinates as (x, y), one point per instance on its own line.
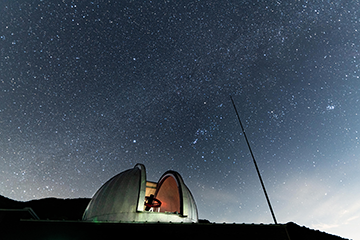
(257, 169)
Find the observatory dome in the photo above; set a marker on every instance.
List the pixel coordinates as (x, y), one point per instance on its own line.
(128, 197)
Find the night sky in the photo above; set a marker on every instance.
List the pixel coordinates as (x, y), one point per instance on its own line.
(90, 88)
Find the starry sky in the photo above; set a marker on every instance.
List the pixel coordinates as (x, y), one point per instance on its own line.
(90, 88)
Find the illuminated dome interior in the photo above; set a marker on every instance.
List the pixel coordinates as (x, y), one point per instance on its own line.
(128, 197)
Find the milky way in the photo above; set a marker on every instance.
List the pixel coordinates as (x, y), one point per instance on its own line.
(90, 88)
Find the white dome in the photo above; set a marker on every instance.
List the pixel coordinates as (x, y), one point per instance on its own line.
(123, 197)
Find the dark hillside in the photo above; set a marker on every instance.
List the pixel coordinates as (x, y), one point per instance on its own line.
(7, 203)
(59, 209)
(50, 208)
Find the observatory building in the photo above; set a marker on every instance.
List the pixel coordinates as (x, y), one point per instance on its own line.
(128, 203)
(129, 197)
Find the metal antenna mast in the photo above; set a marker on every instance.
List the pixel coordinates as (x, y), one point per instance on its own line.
(257, 169)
